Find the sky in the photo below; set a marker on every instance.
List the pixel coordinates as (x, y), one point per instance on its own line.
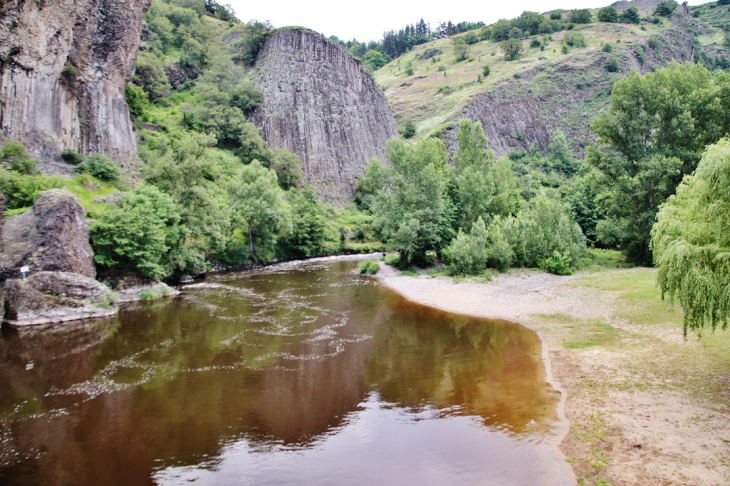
(367, 20)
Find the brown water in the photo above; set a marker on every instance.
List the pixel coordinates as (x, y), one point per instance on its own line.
(298, 374)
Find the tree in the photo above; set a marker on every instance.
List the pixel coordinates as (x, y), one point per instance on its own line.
(581, 16)
(308, 224)
(253, 36)
(653, 133)
(288, 171)
(409, 129)
(608, 14)
(630, 16)
(512, 49)
(561, 155)
(412, 211)
(461, 50)
(471, 38)
(257, 202)
(484, 188)
(374, 59)
(692, 245)
(467, 253)
(150, 75)
(665, 9)
(139, 234)
(556, 16)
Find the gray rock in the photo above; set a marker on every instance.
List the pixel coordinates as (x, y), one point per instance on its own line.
(49, 297)
(63, 69)
(321, 104)
(53, 236)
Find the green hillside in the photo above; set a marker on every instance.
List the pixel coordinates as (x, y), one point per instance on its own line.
(434, 90)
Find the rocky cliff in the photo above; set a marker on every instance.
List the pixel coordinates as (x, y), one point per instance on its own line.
(321, 104)
(63, 68)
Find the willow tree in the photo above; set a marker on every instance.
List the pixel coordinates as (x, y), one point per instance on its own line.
(691, 242)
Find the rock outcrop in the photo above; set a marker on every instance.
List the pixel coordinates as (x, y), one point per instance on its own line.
(53, 236)
(64, 65)
(48, 297)
(321, 104)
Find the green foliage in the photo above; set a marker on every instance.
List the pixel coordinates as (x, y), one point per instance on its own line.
(535, 43)
(467, 253)
(691, 242)
(499, 252)
(665, 9)
(653, 133)
(374, 60)
(607, 47)
(308, 223)
(655, 42)
(150, 76)
(256, 199)
(612, 64)
(369, 267)
(608, 14)
(253, 36)
(409, 129)
(370, 183)
(101, 167)
(13, 151)
(461, 49)
(544, 227)
(581, 16)
(630, 16)
(288, 171)
(574, 39)
(483, 188)
(142, 233)
(512, 49)
(71, 157)
(412, 212)
(22, 190)
(556, 16)
(486, 71)
(471, 38)
(558, 264)
(137, 100)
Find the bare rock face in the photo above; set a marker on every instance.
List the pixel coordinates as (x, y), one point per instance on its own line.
(64, 65)
(48, 297)
(53, 236)
(321, 104)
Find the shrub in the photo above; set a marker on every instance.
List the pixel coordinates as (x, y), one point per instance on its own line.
(13, 151)
(499, 251)
(607, 48)
(101, 167)
(608, 14)
(467, 253)
(137, 100)
(574, 39)
(582, 16)
(24, 166)
(630, 16)
(535, 43)
(21, 190)
(665, 9)
(655, 42)
(71, 157)
(369, 267)
(409, 129)
(512, 49)
(612, 65)
(558, 264)
(471, 38)
(486, 71)
(556, 16)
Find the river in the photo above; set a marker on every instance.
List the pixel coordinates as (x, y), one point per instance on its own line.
(301, 373)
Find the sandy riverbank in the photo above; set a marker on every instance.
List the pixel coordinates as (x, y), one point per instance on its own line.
(636, 397)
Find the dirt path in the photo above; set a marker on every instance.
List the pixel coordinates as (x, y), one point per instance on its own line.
(643, 405)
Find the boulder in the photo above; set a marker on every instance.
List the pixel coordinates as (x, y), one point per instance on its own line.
(53, 237)
(49, 297)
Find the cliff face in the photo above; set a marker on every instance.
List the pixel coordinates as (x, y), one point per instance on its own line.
(324, 106)
(63, 68)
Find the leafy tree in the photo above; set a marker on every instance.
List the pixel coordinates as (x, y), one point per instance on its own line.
(372, 181)
(22, 190)
(253, 36)
(574, 39)
(100, 166)
(140, 233)
(556, 16)
(288, 171)
(150, 76)
(516, 33)
(308, 224)
(500, 30)
(467, 253)
(583, 194)
(484, 188)
(630, 16)
(412, 212)
(581, 16)
(608, 14)
(561, 155)
(374, 60)
(691, 242)
(257, 202)
(409, 129)
(529, 22)
(461, 49)
(137, 100)
(471, 38)
(512, 49)
(665, 9)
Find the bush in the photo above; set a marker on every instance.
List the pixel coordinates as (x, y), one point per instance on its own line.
(512, 49)
(665, 9)
(630, 16)
(558, 264)
(471, 38)
(409, 129)
(13, 151)
(499, 251)
(22, 190)
(612, 65)
(608, 14)
(137, 100)
(607, 48)
(71, 157)
(556, 16)
(101, 167)
(574, 39)
(486, 71)
(582, 16)
(655, 42)
(535, 43)
(467, 253)
(369, 267)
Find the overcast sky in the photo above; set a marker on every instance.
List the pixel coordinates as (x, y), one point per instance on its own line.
(367, 20)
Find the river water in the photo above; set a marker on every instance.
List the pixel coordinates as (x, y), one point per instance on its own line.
(296, 374)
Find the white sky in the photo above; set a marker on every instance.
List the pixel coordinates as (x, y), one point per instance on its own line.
(367, 20)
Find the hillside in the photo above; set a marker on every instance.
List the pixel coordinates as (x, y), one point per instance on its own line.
(523, 101)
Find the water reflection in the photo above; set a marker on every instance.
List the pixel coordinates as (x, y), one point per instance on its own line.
(304, 375)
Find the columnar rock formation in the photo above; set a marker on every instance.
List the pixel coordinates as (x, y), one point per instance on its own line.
(321, 104)
(64, 65)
